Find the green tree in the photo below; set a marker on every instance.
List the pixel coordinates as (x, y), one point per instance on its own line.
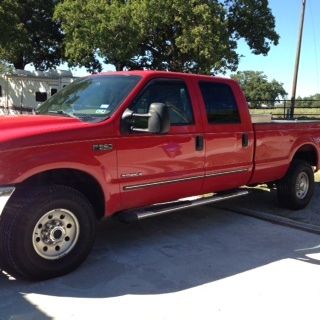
(178, 35)
(29, 34)
(7, 18)
(5, 67)
(258, 90)
(312, 101)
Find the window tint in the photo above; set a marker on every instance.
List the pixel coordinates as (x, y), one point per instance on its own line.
(41, 96)
(220, 103)
(53, 91)
(172, 93)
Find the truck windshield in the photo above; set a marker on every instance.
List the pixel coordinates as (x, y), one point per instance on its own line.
(91, 99)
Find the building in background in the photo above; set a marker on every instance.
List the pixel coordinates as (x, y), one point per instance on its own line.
(21, 91)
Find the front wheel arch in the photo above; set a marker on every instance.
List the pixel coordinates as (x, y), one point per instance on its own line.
(76, 179)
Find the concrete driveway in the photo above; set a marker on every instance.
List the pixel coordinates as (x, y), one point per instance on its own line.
(203, 263)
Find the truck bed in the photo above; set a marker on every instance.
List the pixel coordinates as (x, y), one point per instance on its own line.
(276, 143)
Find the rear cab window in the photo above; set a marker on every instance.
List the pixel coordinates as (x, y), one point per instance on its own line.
(220, 103)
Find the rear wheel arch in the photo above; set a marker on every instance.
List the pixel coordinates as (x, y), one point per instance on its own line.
(307, 153)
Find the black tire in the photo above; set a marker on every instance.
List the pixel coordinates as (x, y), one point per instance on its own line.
(295, 190)
(20, 252)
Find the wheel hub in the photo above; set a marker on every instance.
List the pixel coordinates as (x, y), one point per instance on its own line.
(302, 185)
(55, 234)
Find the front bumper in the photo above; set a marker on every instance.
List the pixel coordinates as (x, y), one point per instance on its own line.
(5, 194)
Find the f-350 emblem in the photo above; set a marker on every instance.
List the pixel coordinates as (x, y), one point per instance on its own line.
(102, 147)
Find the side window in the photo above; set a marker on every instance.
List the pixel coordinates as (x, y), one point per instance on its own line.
(220, 103)
(0, 91)
(41, 96)
(53, 91)
(172, 93)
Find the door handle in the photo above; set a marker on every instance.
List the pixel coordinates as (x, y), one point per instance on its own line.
(245, 140)
(199, 143)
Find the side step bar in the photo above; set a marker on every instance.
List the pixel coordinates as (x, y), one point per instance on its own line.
(158, 209)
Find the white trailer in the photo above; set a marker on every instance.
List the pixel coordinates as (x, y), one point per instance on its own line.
(22, 91)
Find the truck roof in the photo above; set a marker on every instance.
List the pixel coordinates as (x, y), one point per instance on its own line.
(152, 73)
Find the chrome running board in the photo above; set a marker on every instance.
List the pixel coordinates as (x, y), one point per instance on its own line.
(163, 208)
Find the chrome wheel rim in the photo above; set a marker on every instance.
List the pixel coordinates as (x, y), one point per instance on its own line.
(55, 234)
(302, 185)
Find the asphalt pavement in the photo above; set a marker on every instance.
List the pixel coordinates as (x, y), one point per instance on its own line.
(202, 263)
(264, 200)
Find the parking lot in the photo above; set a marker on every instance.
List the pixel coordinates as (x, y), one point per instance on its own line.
(200, 263)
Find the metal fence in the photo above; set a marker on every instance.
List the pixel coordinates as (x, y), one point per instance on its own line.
(280, 109)
(15, 110)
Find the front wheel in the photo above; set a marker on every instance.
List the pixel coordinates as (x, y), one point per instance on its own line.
(295, 190)
(45, 233)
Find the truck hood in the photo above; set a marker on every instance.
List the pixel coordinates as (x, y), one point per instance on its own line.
(32, 130)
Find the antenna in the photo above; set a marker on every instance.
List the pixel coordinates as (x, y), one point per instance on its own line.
(296, 69)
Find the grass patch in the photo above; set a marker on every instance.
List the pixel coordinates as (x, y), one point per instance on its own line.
(299, 113)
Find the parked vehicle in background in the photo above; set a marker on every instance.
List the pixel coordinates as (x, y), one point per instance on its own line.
(23, 90)
(135, 145)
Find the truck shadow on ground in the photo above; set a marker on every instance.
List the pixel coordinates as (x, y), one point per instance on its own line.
(264, 200)
(165, 254)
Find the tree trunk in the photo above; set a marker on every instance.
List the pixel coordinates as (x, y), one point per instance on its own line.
(119, 66)
(19, 63)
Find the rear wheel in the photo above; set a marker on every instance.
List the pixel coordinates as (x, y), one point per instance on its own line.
(296, 188)
(46, 233)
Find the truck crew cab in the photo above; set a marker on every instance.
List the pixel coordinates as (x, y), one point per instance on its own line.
(135, 144)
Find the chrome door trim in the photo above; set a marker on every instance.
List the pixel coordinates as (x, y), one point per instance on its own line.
(226, 173)
(159, 183)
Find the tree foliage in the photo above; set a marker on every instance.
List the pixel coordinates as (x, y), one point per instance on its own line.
(178, 35)
(29, 34)
(5, 67)
(258, 90)
(312, 101)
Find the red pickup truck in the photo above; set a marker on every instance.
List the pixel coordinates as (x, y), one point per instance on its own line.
(135, 144)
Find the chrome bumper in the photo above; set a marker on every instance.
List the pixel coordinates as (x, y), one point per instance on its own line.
(5, 194)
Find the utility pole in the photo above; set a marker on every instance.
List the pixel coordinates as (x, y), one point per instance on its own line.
(296, 69)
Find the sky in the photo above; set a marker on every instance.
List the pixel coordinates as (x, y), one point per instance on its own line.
(279, 63)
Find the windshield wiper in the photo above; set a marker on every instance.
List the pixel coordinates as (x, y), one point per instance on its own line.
(62, 112)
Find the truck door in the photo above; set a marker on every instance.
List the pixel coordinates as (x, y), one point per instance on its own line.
(228, 136)
(162, 167)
